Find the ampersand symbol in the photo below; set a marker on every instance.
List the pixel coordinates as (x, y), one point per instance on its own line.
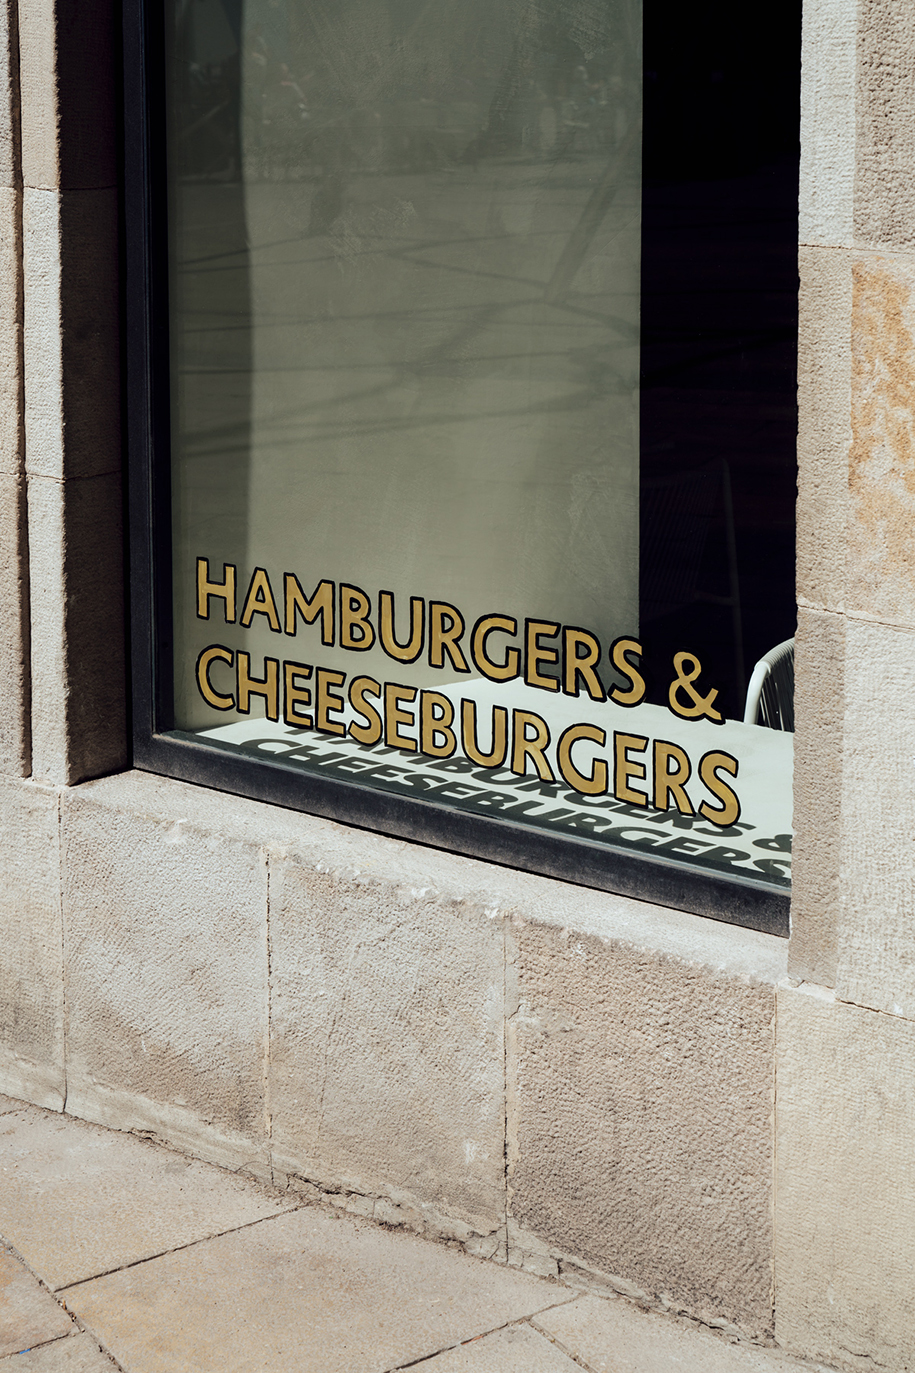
(701, 705)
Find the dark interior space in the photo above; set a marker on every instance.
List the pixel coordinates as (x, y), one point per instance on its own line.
(719, 338)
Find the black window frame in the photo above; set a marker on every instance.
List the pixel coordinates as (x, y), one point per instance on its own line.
(731, 898)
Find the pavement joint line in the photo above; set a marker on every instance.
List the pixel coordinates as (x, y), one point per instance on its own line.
(178, 1249)
(83, 1329)
(78, 1327)
(563, 1349)
(118, 1367)
(43, 1344)
(459, 1344)
(8, 1244)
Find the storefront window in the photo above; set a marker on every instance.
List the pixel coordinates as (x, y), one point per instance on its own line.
(481, 432)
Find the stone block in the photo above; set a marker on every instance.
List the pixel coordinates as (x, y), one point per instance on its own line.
(14, 575)
(845, 1205)
(876, 940)
(28, 1313)
(828, 121)
(31, 971)
(386, 1037)
(881, 478)
(71, 340)
(824, 417)
(15, 723)
(11, 394)
(9, 96)
(42, 330)
(68, 76)
(166, 978)
(640, 1116)
(391, 1084)
(819, 704)
(885, 108)
(78, 672)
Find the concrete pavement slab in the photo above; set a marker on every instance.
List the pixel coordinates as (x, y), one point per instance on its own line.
(315, 1290)
(77, 1200)
(75, 1354)
(609, 1335)
(8, 1103)
(28, 1313)
(516, 1349)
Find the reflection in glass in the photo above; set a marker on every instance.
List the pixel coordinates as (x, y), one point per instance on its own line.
(407, 256)
(412, 323)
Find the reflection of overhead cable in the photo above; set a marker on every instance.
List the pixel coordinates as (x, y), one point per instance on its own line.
(581, 237)
(204, 119)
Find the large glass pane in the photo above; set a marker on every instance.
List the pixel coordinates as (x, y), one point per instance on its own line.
(407, 489)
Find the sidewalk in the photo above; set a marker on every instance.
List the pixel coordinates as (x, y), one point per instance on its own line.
(121, 1254)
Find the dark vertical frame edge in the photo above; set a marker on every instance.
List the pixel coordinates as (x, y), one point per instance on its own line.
(745, 902)
(146, 378)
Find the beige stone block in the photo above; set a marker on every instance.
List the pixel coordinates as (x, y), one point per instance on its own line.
(31, 973)
(14, 579)
(9, 96)
(819, 704)
(613, 1336)
(38, 85)
(876, 956)
(78, 673)
(824, 419)
(166, 970)
(28, 1313)
(885, 101)
(386, 1065)
(68, 59)
(15, 723)
(41, 1083)
(640, 1118)
(11, 377)
(516, 1349)
(406, 883)
(320, 842)
(314, 1290)
(71, 342)
(845, 1205)
(43, 322)
(77, 1354)
(828, 121)
(881, 542)
(233, 817)
(78, 1201)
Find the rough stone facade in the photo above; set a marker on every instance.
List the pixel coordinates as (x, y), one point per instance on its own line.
(581, 1084)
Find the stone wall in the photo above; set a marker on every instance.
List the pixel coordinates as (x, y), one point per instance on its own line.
(554, 1077)
(845, 1197)
(557, 1078)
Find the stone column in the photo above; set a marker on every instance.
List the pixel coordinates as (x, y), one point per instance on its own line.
(72, 387)
(845, 1092)
(63, 706)
(15, 749)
